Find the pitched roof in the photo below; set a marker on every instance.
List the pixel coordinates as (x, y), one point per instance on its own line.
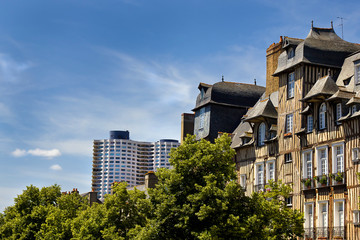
(323, 87)
(341, 94)
(262, 109)
(230, 94)
(243, 130)
(322, 47)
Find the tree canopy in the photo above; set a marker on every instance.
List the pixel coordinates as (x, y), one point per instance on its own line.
(199, 198)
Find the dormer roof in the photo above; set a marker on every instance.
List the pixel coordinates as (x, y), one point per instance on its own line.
(323, 88)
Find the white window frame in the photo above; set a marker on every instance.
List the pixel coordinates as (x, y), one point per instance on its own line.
(309, 220)
(261, 134)
(321, 215)
(289, 123)
(268, 173)
(310, 123)
(338, 222)
(243, 180)
(338, 111)
(291, 85)
(318, 157)
(257, 181)
(338, 156)
(291, 53)
(322, 116)
(305, 163)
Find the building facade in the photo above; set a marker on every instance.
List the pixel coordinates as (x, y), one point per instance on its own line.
(120, 159)
(306, 132)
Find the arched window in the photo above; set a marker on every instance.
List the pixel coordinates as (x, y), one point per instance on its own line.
(322, 116)
(261, 134)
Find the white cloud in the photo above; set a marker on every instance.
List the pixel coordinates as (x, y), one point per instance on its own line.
(19, 153)
(56, 167)
(37, 152)
(10, 69)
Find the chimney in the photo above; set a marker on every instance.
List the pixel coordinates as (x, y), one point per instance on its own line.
(272, 55)
(150, 180)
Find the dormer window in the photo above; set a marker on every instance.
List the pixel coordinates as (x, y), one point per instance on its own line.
(291, 53)
(202, 93)
(322, 116)
(353, 109)
(338, 112)
(261, 134)
(290, 85)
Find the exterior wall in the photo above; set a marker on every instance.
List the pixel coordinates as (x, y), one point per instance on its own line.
(202, 132)
(187, 125)
(272, 55)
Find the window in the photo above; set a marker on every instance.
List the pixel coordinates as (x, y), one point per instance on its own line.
(338, 157)
(202, 117)
(289, 123)
(322, 116)
(291, 53)
(243, 180)
(309, 216)
(288, 158)
(202, 93)
(338, 111)
(259, 174)
(261, 134)
(353, 109)
(291, 85)
(356, 217)
(355, 154)
(307, 163)
(339, 213)
(322, 160)
(323, 215)
(357, 74)
(270, 170)
(310, 123)
(288, 201)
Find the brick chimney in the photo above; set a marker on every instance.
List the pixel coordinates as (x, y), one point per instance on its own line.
(272, 55)
(150, 180)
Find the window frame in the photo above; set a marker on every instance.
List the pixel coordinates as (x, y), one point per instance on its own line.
(257, 165)
(319, 218)
(318, 158)
(243, 180)
(309, 223)
(291, 85)
(338, 112)
(305, 163)
(335, 155)
(322, 116)
(309, 127)
(355, 152)
(335, 207)
(287, 159)
(289, 119)
(268, 163)
(261, 134)
(357, 73)
(356, 217)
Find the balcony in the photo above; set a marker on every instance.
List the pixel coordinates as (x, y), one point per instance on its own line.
(338, 179)
(322, 232)
(307, 184)
(338, 232)
(259, 187)
(309, 234)
(322, 181)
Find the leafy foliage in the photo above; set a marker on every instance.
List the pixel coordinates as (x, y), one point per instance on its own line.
(199, 198)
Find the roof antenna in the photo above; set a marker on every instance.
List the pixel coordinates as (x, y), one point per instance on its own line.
(312, 23)
(342, 26)
(222, 78)
(254, 81)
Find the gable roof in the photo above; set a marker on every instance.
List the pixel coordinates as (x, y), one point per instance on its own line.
(324, 86)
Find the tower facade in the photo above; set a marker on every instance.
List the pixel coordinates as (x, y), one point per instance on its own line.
(120, 159)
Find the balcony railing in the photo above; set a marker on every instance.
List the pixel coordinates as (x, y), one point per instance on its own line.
(322, 232)
(259, 187)
(307, 183)
(322, 181)
(309, 233)
(338, 232)
(338, 179)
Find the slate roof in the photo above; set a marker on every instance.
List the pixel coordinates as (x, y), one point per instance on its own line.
(243, 130)
(347, 73)
(324, 86)
(341, 94)
(322, 46)
(262, 109)
(229, 94)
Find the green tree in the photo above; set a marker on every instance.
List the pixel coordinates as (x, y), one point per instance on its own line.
(200, 199)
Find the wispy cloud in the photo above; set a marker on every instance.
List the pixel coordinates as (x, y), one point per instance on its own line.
(37, 152)
(56, 167)
(10, 69)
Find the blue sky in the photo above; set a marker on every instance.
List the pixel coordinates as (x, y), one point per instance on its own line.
(71, 71)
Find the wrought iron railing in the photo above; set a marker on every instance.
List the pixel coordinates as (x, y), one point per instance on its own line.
(309, 233)
(338, 232)
(322, 232)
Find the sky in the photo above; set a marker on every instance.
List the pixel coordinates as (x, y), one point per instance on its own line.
(72, 70)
